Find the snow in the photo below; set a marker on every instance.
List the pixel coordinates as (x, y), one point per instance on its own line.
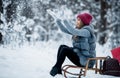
(35, 61)
(20, 59)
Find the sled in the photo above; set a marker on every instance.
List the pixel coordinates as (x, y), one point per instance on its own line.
(83, 70)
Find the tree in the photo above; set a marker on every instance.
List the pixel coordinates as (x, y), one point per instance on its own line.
(103, 21)
(1, 10)
(115, 24)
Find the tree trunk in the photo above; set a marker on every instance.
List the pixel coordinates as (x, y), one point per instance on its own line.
(102, 38)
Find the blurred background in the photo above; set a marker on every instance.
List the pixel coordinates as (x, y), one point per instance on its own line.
(24, 21)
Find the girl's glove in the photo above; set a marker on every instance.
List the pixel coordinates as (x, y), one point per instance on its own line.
(52, 14)
(56, 15)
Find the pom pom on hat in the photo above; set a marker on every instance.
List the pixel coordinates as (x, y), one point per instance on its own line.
(85, 18)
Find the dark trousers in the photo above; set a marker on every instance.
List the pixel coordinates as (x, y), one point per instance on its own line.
(63, 52)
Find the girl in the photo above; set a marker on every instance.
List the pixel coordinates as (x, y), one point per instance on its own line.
(83, 38)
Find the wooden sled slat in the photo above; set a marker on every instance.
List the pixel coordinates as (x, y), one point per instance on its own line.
(83, 70)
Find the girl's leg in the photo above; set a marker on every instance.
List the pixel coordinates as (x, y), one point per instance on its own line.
(60, 48)
(67, 52)
(63, 52)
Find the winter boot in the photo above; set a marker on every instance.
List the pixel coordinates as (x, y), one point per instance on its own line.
(55, 71)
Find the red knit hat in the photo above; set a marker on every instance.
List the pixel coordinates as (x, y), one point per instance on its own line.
(85, 18)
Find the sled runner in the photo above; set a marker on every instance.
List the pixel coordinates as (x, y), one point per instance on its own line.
(83, 70)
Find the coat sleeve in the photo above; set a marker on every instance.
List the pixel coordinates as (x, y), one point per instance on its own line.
(62, 27)
(79, 32)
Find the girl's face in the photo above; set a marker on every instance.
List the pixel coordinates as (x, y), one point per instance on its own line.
(79, 23)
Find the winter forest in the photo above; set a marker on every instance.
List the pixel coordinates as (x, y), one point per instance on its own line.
(28, 22)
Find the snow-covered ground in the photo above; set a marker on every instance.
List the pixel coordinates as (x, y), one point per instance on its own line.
(35, 61)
